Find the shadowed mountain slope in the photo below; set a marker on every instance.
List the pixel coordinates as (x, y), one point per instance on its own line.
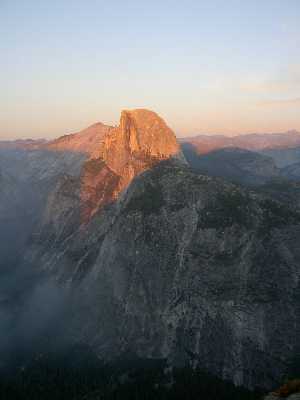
(152, 259)
(183, 267)
(234, 164)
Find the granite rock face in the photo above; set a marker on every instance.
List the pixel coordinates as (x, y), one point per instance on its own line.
(188, 268)
(140, 141)
(161, 262)
(87, 141)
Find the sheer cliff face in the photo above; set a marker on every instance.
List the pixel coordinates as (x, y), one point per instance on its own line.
(195, 270)
(184, 267)
(113, 157)
(140, 141)
(162, 262)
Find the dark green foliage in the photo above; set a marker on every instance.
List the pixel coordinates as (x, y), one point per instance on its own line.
(293, 368)
(285, 191)
(87, 378)
(276, 215)
(148, 202)
(227, 209)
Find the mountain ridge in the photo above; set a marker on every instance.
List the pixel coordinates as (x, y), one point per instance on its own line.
(256, 141)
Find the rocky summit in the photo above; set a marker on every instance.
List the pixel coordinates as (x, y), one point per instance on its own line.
(155, 260)
(140, 141)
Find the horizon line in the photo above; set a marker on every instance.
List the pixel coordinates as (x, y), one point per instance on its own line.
(177, 134)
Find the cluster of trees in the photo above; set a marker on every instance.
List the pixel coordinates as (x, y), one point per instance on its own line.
(84, 377)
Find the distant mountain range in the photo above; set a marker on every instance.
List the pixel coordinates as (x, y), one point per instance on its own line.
(236, 164)
(256, 141)
(87, 139)
(249, 159)
(22, 143)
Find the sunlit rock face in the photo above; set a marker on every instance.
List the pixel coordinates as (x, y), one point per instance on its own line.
(140, 141)
(87, 141)
(112, 157)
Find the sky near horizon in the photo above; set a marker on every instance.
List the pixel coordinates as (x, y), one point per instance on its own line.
(210, 66)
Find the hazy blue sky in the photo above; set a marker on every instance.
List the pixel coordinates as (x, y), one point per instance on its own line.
(205, 66)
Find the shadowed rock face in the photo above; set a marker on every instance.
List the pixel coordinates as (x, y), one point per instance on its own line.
(98, 186)
(184, 267)
(169, 263)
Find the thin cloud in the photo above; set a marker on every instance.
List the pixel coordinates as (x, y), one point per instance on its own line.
(287, 81)
(281, 102)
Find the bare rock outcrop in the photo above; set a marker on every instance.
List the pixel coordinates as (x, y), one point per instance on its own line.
(141, 140)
